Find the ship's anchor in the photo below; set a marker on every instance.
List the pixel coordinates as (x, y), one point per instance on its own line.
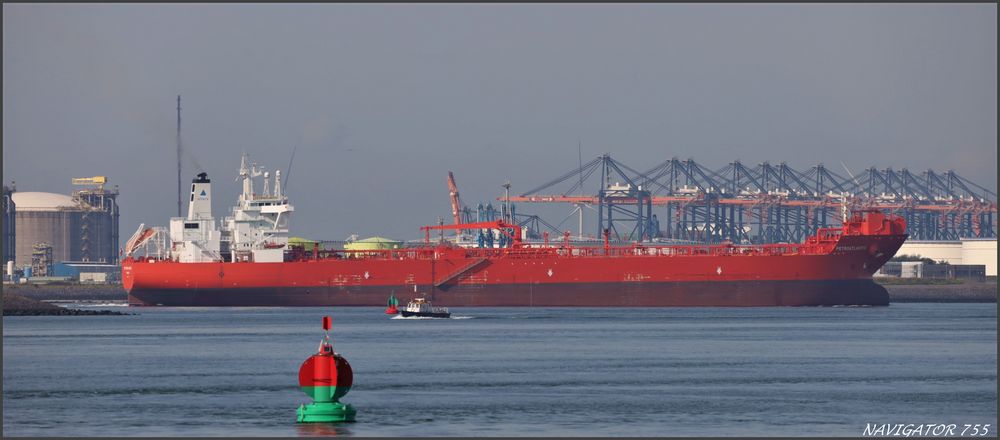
(326, 377)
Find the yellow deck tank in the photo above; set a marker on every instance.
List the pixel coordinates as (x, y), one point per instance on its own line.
(372, 244)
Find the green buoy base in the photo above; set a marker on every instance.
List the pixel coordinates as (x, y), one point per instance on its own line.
(325, 412)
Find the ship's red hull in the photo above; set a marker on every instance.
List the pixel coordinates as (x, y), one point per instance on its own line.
(677, 294)
(832, 273)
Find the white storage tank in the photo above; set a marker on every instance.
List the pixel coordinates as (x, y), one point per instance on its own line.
(46, 218)
(76, 231)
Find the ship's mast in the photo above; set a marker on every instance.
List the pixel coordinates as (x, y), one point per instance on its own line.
(178, 155)
(277, 183)
(506, 202)
(246, 173)
(843, 208)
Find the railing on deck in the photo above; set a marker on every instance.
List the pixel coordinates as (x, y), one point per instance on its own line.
(823, 245)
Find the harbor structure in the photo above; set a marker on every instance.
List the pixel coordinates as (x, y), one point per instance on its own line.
(9, 229)
(78, 227)
(974, 251)
(685, 200)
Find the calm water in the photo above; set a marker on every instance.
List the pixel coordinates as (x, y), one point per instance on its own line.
(506, 371)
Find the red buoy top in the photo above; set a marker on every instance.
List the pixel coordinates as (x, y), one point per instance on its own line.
(326, 376)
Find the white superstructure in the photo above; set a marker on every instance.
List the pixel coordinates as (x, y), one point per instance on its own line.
(256, 231)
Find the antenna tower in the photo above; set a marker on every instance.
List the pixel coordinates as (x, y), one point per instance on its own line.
(179, 198)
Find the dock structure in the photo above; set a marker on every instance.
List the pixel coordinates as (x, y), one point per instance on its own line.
(98, 219)
(765, 203)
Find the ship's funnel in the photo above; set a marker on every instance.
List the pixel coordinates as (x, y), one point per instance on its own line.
(200, 205)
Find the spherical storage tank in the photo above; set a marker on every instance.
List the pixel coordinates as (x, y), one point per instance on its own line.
(77, 231)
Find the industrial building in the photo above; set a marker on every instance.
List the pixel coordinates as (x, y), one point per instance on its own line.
(959, 252)
(9, 221)
(921, 269)
(88, 272)
(52, 228)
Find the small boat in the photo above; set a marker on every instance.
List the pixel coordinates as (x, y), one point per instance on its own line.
(420, 307)
(391, 304)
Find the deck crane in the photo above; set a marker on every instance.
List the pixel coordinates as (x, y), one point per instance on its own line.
(456, 203)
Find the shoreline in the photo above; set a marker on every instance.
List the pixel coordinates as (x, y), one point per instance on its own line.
(18, 305)
(969, 291)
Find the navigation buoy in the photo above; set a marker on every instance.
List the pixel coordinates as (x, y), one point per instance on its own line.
(391, 304)
(325, 377)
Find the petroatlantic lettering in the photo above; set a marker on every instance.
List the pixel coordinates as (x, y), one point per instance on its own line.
(851, 248)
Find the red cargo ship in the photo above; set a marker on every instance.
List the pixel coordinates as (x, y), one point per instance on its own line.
(834, 267)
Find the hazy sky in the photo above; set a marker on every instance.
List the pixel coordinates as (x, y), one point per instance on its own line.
(383, 100)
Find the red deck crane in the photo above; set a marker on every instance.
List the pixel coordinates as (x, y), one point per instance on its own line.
(456, 203)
